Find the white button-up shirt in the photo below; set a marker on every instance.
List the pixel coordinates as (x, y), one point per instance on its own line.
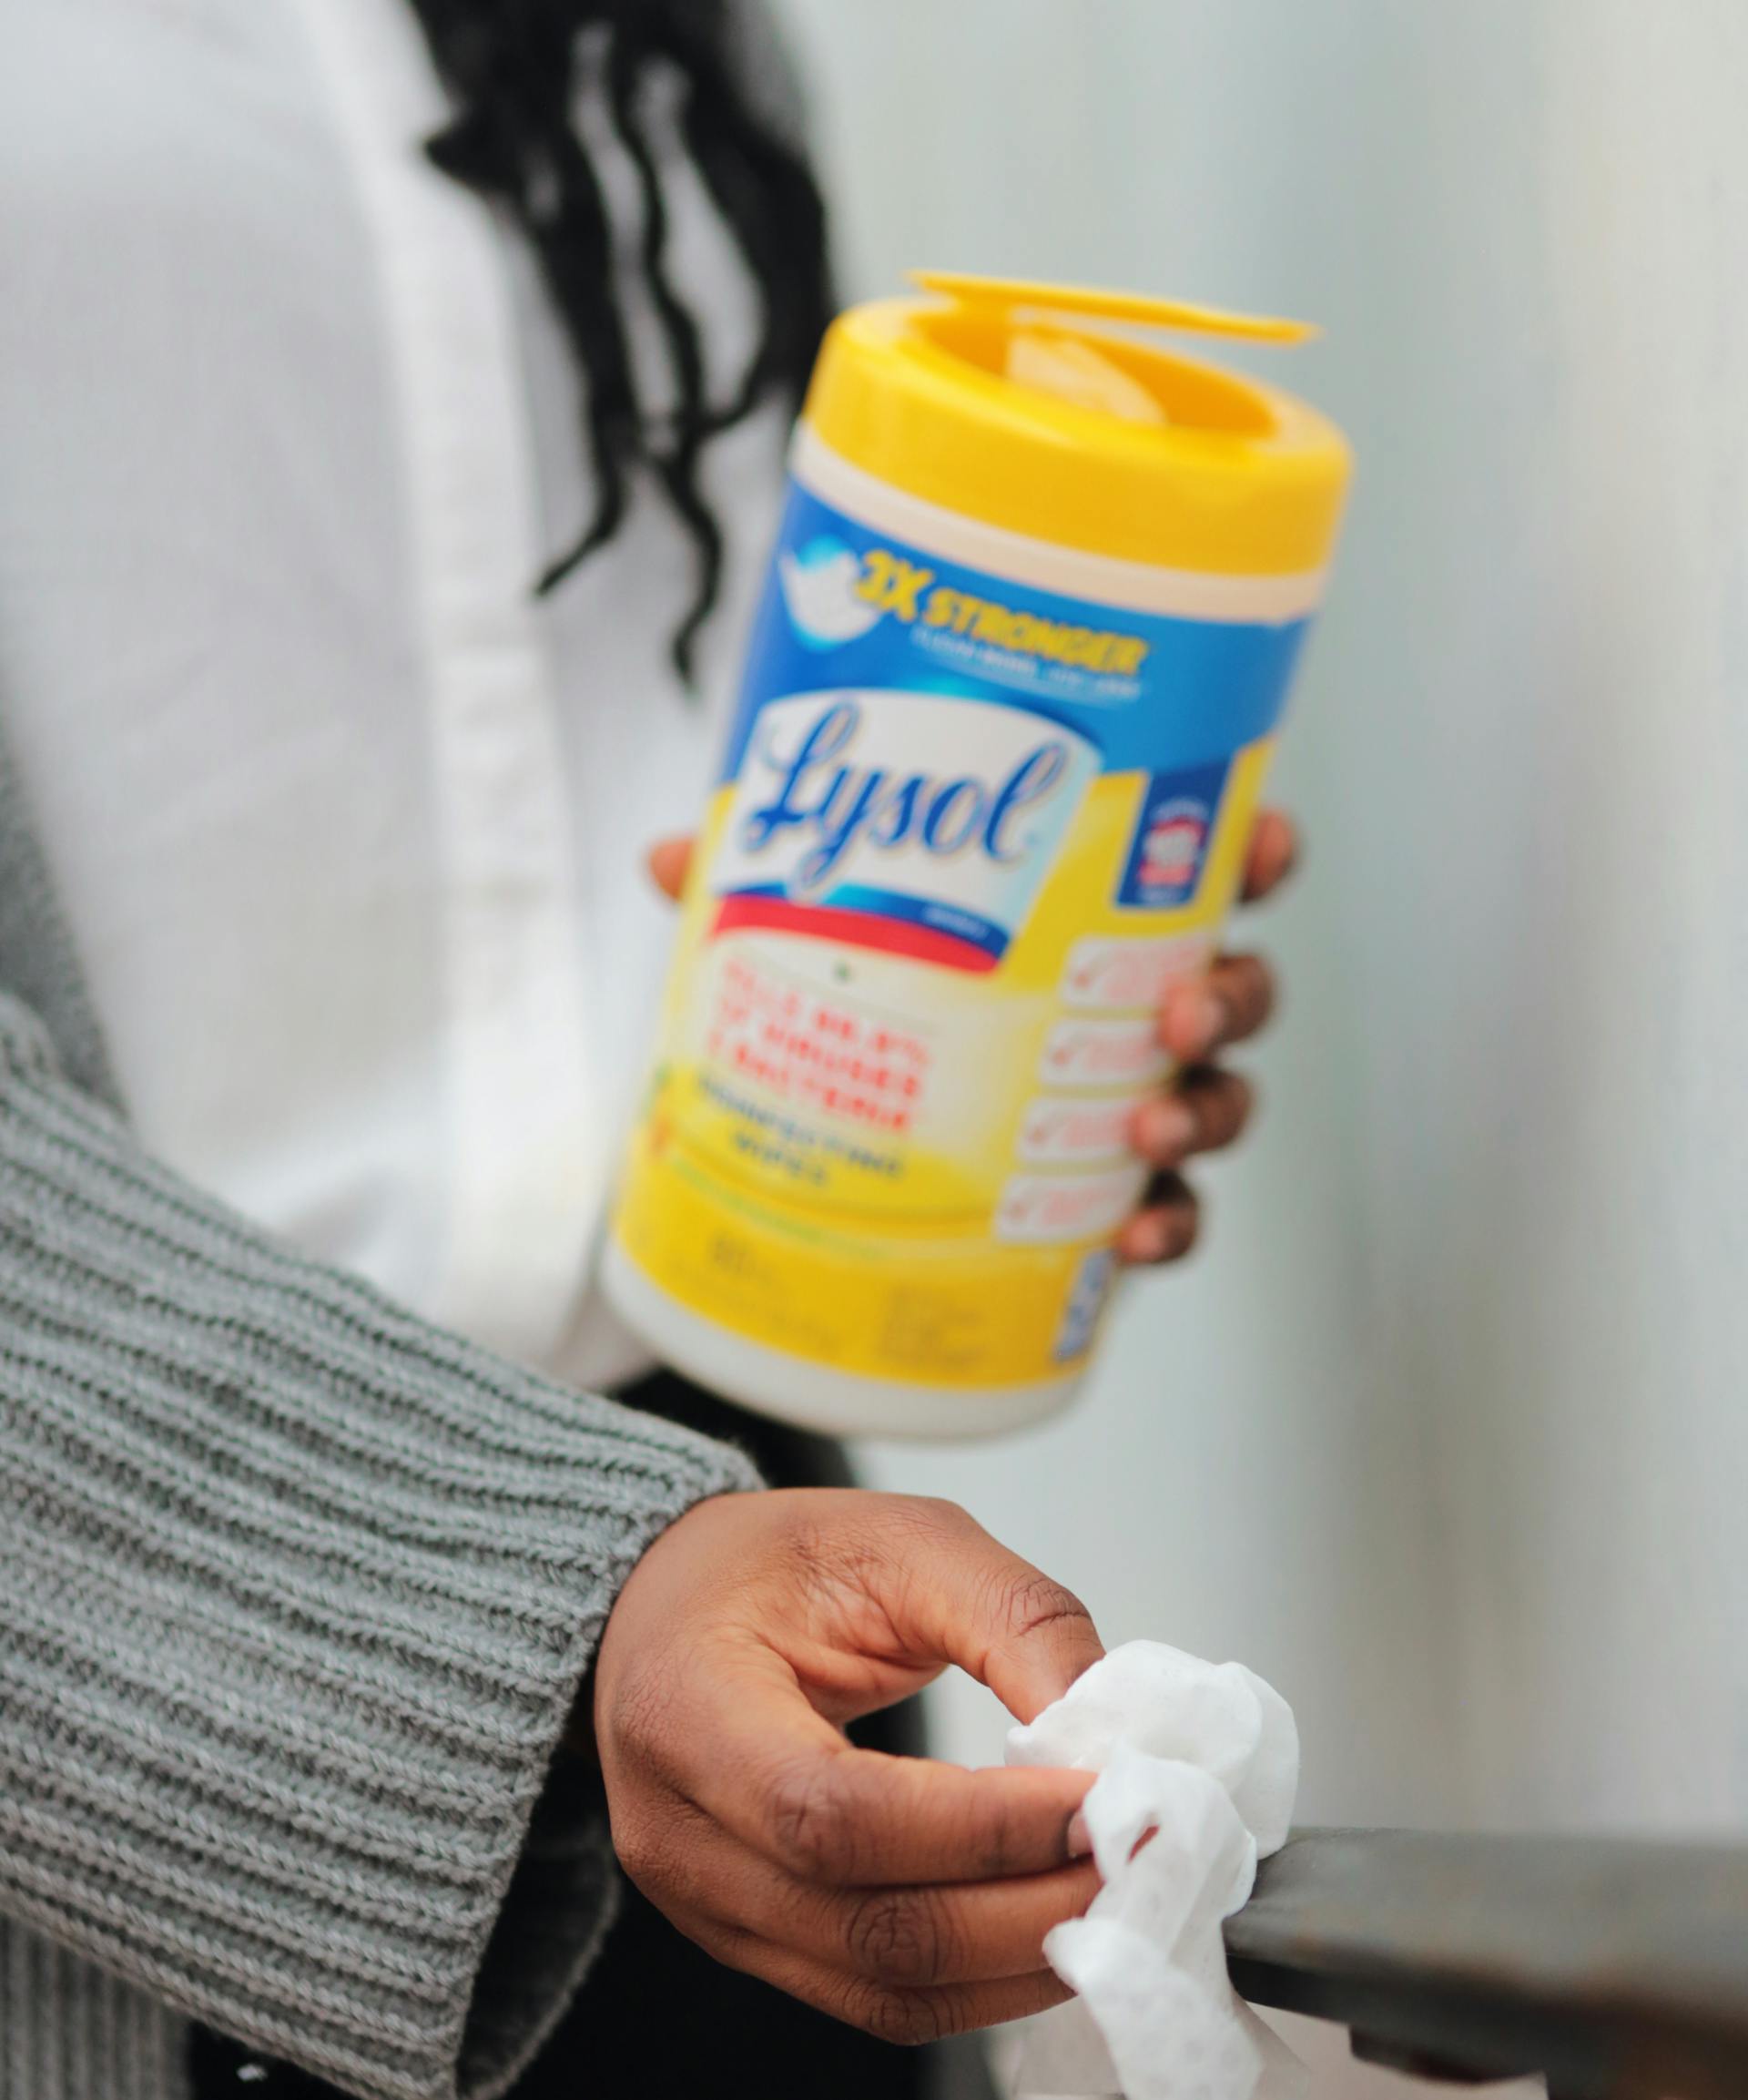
(349, 826)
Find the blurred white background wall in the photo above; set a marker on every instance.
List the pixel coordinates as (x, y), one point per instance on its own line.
(1446, 1430)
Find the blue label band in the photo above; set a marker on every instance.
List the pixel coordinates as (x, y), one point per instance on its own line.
(914, 738)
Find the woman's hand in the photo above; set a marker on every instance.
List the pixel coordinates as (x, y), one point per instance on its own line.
(906, 1897)
(1205, 1107)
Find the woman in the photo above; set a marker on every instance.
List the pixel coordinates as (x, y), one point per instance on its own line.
(329, 328)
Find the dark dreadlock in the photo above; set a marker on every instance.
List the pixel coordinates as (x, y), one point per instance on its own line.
(511, 66)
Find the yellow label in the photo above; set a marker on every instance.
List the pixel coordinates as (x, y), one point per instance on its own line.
(967, 833)
(847, 1156)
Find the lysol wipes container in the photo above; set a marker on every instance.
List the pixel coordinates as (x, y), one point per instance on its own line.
(1008, 705)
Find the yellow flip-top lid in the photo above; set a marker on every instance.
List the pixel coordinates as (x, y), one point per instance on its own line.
(1023, 406)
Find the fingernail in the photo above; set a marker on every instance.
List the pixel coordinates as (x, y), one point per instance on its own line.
(1080, 1839)
(1148, 1237)
(1165, 1129)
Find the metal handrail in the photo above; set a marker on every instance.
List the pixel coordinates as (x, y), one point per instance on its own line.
(1616, 1967)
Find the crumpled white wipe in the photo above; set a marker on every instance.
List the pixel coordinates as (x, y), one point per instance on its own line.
(1205, 1755)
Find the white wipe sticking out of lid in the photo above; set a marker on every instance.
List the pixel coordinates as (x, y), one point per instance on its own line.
(1069, 367)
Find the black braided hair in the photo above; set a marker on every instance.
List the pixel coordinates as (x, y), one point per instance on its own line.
(511, 68)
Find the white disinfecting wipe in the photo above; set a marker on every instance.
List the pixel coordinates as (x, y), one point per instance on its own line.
(1205, 1755)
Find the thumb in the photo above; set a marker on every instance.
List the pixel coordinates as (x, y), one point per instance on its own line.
(962, 1598)
(668, 861)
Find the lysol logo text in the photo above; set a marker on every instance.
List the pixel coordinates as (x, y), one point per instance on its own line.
(823, 792)
(922, 822)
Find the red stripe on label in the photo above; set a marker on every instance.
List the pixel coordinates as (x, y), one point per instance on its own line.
(852, 929)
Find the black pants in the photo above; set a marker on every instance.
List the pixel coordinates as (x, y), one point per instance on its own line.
(692, 2028)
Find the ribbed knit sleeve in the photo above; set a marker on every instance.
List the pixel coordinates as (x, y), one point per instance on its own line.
(296, 1594)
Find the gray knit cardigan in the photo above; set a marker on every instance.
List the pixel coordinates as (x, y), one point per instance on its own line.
(296, 1596)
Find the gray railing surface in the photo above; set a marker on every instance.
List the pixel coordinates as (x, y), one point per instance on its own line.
(1616, 1968)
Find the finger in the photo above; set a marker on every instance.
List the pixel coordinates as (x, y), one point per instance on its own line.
(669, 859)
(906, 2016)
(1202, 1015)
(1206, 1109)
(906, 1937)
(1164, 1229)
(781, 1778)
(856, 1819)
(916, 1938)
(958, 1596)
(1273, 854)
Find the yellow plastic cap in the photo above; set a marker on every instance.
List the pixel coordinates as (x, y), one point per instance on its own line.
(1026, 406)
